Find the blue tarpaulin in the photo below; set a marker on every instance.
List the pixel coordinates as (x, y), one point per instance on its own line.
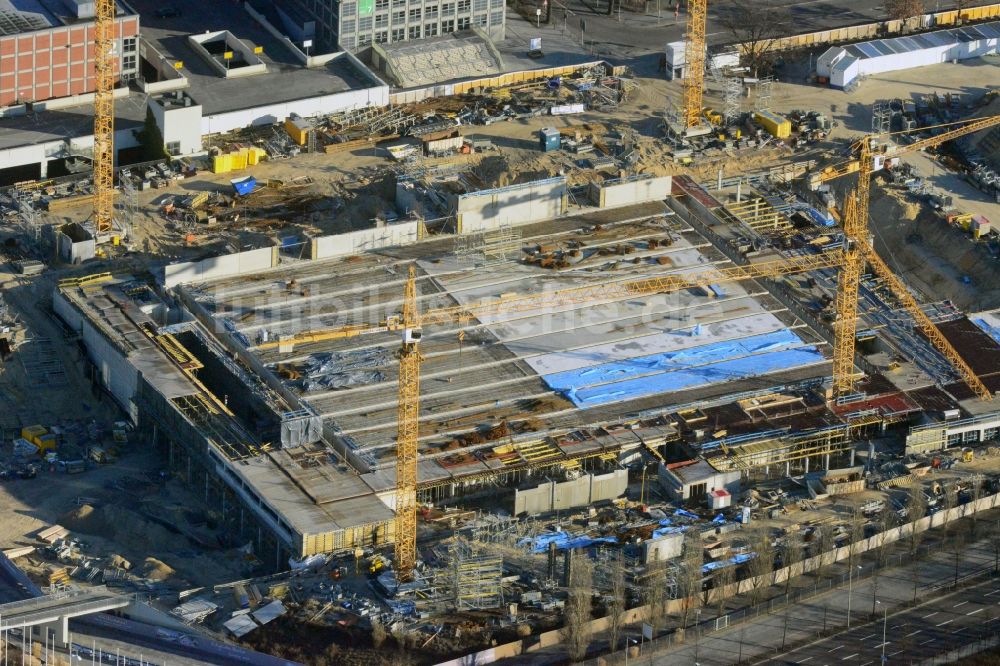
(563, 541)
(684, 368)
(990, 330)
(719, 520)
(243, 186)
(686, 514)
(820, 218)
(664, 531)
(732, 561)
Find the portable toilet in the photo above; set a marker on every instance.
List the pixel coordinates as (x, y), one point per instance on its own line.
(549, 139)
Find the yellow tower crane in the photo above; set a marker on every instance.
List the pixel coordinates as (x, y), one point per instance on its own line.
(858, 250)
(104, 116)
(412, 321)
(694, 62)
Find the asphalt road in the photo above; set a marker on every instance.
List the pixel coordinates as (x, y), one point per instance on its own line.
(761, 639)
(939, 626)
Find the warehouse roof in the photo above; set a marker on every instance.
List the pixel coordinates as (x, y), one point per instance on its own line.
(884, 47)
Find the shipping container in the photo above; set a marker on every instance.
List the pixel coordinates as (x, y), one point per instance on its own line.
(446, 145)
(33, 433)
(549, 139)
(775, 125)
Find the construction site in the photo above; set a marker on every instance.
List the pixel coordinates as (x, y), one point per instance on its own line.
(570, 363)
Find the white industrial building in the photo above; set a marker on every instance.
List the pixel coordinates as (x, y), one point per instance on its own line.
(844, 65)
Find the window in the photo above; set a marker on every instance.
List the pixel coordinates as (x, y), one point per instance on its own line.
(480, 5)
(463, 5)
(496, 4)
(128, 44)
(415, 14)
(347, 27)
(399, 17)
(447, 26)
(972, 436)
(348, 9)
(382, 21)
(431, 11)
(364, 40)
(955, 439)
(448, 8)
(365, 24)
(480, 19)
(381, 37)
(398, 3)
(128, 62)
(496, 18)
(464, 23)
(381, 4)
(430, 30)
(347, 43)
(398, 34)
(414, 32)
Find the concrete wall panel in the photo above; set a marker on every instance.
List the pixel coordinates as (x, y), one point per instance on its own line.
(515, 205)
(227, 265)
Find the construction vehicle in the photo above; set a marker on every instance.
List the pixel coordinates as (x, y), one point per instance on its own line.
(376, 564)
(967, 455)
(858, 251)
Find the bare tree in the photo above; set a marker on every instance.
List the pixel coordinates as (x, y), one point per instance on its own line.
(721, 580)
(755, 25)
(656, 594)
(953, 536)
(791, 555)
(886, 521)
(577, 632)
(825, 549)
(379, 634)
(761, 566)
(689, 575)
(903, 9)
(976, 492)
(616, 603)
(856, 533)
(916, 509)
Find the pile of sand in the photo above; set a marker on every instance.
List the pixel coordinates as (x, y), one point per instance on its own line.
(118, 524)
(154, 569)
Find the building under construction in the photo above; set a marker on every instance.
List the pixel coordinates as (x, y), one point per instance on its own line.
(610, 333)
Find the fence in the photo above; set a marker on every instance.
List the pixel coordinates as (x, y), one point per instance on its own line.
(855, 33)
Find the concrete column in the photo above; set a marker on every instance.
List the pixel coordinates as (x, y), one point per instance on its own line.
(58, 629)
(807, 464)
(43, 168)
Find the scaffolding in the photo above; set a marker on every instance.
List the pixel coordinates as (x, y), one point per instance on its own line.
(765, 91)
(881, 117)
(129, 204)
(494, 246)
(477, 579)
(24, 194)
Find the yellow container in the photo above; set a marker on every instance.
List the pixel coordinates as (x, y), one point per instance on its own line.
(298, 130)
(34, 433)
(221, 164)
(46, 443)
(777, 126)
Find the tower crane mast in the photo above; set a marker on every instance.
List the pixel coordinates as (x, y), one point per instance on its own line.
(104, 115)
(694, 57)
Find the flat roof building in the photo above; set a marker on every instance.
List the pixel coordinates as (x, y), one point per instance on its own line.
(47, 51)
